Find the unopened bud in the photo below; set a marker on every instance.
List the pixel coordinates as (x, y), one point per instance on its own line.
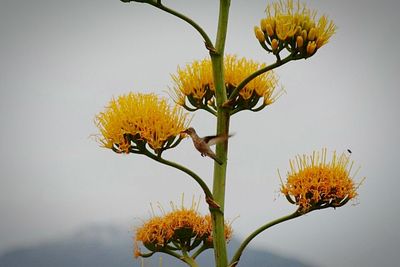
(304, 34)
(274, 44)
(311, 34)
(259, 34)
(263, 24)
(311, 48)
(269, 29)
(299, 41)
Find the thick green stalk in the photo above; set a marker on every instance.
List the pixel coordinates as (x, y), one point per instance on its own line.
(240, 250)
(217, 59)
(220, 252)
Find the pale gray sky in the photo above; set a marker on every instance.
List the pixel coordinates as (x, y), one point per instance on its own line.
(62, 61)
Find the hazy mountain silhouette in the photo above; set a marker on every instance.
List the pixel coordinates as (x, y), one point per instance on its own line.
(111, 246)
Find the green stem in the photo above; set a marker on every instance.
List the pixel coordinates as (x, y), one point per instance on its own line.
(200, 30)
(243, 83)
(197, 178)
(244, 244)
(223, 116)
(189, 260)
(171, 253)
(222, 25)
(219, 186)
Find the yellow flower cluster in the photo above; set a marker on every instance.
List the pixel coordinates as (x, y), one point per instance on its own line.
(315, 183)
(181, 229)
(140, 119)
(292, 26)
(194, 84)
(194, 81)
(236, 70)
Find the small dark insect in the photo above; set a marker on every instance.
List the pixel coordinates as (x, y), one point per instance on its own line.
(348, 150)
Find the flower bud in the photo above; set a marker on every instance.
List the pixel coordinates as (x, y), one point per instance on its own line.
(312, 34)
(259, 34)
(274, 44)
(299, 41)
(263, 24)
(311, 48)
(269, 29)
(304, 34)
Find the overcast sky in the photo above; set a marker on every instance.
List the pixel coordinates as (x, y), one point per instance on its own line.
(62, 61)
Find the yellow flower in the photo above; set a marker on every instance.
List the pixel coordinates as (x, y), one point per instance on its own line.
(287, 20)
(181, 227)
(315, 183)
(236, 70)
(154, 233)
(140, 119)
(194, 81)
(194, 84)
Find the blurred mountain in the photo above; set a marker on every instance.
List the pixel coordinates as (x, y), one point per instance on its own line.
(111, 246)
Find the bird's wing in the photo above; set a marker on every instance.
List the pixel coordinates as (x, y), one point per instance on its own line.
(215, 139)
(208, 139)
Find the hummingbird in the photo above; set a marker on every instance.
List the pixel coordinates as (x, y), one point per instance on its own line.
(202, 144)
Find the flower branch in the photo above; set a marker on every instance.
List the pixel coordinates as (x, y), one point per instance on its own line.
(189, 260)
(174, 254)
(203, 185)
(207, 41)
(238, 253)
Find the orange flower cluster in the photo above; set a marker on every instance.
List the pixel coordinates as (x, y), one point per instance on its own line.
(181, 229)
(314, 183)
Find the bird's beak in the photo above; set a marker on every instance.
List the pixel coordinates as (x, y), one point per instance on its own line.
(184, 134)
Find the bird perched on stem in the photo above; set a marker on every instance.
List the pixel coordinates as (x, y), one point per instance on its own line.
(202, 144)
